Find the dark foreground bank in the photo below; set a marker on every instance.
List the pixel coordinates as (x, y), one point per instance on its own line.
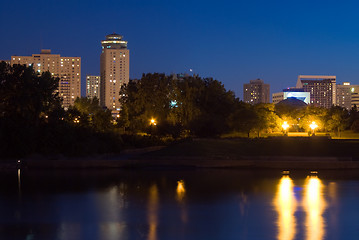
(276, 153)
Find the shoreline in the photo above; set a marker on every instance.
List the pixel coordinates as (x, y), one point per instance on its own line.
(136, 161)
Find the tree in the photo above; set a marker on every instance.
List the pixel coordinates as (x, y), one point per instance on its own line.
(145, 99)
(26, 96)
(28, 101)
(201, 106)
(312, 114)
(337, 119)
(87, 112)
(267, 119)
(244, 118)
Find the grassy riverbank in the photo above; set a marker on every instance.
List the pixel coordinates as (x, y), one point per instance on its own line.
(277, 152)
(276, 146)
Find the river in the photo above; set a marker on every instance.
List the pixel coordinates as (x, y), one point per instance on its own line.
(178, 204)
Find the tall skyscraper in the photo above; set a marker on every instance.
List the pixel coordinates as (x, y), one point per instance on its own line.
(322, 89)
(92, 86)
(115, 69)
(256, 91)
(67, 69)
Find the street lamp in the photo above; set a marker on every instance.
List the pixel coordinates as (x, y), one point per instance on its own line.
(313, 126)
(153, 122)
(285, 127)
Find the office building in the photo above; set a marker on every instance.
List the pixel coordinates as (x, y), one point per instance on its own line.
(354, 96)
(256, 91)
(344, 95)
(67, 69)
(347, 95)
(322, 89)
(92, 86)
(115, 69)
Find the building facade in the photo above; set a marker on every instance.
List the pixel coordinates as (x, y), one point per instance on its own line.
(322, 89)
(347, 95)
(344, 95)
(67, 69)
(354, 96)
(256, 91)
(93, 86)
(291, 93)
(115, 71)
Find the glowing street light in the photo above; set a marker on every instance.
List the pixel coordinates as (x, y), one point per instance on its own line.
(153, 122)
(285, 126)
(313, 126)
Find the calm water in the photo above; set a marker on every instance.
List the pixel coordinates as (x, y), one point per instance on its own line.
(191, 204)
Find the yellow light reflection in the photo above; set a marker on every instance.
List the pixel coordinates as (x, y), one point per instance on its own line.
(153, 203)
(180, 190)
(314, 206)
(19, 180)
(285, 205)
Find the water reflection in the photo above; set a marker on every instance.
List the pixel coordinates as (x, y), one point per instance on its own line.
(314, 206)
(285, 204)
(180, 193)
(180, 190)
(153, 203)
(19, 180)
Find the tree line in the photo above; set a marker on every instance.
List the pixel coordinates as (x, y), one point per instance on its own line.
(202, 107)
(154, 109)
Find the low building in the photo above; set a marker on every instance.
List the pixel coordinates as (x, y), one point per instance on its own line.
(296, 93)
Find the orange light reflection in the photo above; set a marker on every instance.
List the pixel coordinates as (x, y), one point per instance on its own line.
(314, 206)
(285, 204)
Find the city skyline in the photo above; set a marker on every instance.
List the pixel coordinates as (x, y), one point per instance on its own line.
(233, 42)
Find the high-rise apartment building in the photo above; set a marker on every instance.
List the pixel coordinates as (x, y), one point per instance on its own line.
(115, 69)
(92, 86)
(256, 91)
(322, 89)
(67, 69)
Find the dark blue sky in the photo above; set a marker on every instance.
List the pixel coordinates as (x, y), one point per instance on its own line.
(232, 41)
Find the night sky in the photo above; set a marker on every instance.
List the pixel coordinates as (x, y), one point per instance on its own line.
(232, 41)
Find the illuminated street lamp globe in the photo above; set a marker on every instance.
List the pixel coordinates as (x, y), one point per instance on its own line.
(313, 125)
(285, 126)
(153, 122)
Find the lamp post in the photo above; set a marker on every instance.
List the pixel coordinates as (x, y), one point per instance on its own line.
(285, 127)
(313, 126)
